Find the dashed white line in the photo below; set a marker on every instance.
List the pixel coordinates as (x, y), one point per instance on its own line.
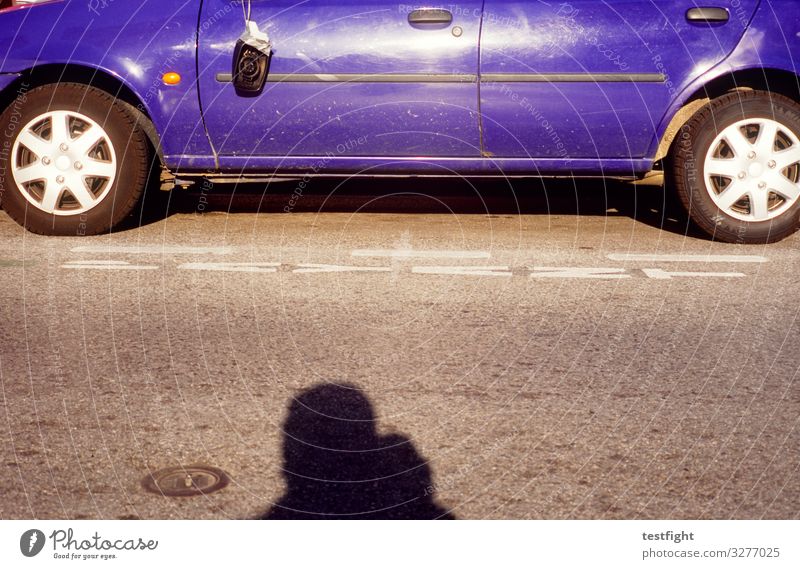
(661, 274)
(154, 249)
(108, 265)
(536, 272)
(322, 268)
(579, 273)
(476, 271)
(417, 254)
(687, 258)
(232, 267)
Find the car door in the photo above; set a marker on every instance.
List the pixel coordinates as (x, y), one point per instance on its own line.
(347, 78)
(592, 79)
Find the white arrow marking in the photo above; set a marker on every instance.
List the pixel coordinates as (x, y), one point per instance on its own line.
(664, 275)
(107, 265)
(232, 267)
(579, 272)
(322, 268)
(413, 254)
(464, 271)
(688, 258)
(153, 249)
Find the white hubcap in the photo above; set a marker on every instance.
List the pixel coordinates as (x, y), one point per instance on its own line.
(63, 163)
(752, 169)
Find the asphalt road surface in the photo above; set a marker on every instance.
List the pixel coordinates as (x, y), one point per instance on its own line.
(401, 348)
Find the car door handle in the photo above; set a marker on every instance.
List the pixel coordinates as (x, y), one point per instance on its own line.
(707, 15)
(425, 16)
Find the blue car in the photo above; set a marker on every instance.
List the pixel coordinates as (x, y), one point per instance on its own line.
(102, 99)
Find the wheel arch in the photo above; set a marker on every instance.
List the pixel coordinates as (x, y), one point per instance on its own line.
(49, 74)
(770, 79)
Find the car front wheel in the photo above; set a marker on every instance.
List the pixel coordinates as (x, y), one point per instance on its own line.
(77, 163)
(736, 167)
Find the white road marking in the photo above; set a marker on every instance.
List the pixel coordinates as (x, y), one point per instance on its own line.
(108, 265)
(665, 275)
(418, 254)
(322, 268)
(687, 258)
(476, 271)
(232, 267)
(153, 249)
(579, 272)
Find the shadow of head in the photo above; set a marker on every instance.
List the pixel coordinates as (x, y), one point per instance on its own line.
(337, 466)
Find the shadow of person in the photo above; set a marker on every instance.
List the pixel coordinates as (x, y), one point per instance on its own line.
(338, 467)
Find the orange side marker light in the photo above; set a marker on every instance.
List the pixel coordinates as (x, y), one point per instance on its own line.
(171, 78)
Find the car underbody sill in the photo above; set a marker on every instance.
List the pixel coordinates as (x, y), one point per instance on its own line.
(238, 167)
(284, 177)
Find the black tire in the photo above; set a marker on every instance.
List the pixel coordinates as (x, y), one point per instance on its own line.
(687, 172)
(129, 143)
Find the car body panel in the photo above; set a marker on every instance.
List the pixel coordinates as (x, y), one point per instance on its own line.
(133, 42)
(770, 42)
(7, 79)
(625, 61)
(433, 112)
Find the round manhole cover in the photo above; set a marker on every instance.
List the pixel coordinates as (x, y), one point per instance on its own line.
(186, 481)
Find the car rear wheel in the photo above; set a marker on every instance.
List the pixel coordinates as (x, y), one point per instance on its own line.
(736, 167)
(77, 163)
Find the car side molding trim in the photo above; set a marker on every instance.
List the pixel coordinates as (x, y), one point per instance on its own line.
(456, 78)
(572, 77)
(371, 78)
